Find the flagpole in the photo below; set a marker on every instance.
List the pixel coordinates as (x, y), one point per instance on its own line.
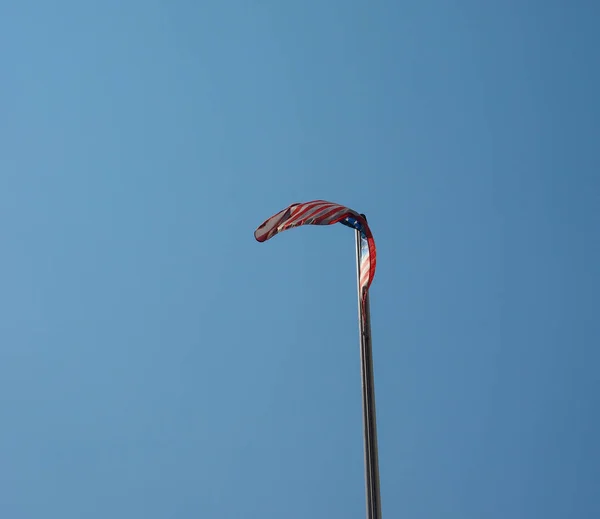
(373, 499)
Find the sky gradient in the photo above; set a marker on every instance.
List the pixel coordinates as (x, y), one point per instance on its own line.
(157, 362)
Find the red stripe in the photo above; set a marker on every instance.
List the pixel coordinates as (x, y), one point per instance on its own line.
(303, 208)
(274, 221)
(364, 276)
(308, 208)
(324, 217)
(332, 217)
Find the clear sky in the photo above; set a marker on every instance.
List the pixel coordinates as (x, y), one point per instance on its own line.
(157, 362)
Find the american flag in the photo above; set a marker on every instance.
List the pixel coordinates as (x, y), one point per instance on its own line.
(321, 212)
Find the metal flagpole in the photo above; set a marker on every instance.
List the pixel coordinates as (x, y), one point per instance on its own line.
(368, 398)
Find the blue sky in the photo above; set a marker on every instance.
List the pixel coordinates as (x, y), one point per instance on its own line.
(155, 361)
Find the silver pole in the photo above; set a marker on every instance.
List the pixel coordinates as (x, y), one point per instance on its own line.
(368, 398)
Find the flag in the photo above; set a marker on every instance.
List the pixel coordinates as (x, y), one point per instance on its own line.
(321, 212)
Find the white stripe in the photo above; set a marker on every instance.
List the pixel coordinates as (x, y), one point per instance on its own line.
(322, 207)
(330, 218)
